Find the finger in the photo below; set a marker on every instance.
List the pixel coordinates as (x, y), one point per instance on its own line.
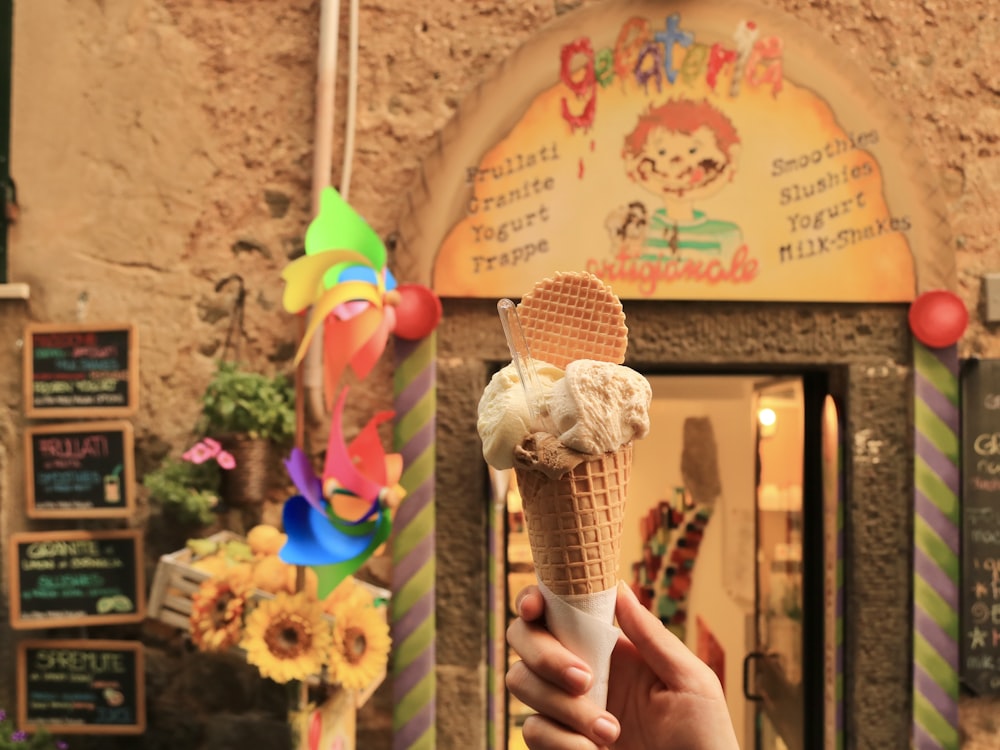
(667, 656)
(530, 604)
(571, 714)
(541, 733)
(547, 658)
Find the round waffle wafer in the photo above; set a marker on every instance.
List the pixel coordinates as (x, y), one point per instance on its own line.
(573, 316)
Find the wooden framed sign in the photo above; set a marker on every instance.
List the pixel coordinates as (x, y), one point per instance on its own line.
(80, 470)
(74, 371)
(81, 687)
(65, 578)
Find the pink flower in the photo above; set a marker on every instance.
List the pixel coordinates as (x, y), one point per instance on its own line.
(226, 460)
(212, 445)
(203, 451)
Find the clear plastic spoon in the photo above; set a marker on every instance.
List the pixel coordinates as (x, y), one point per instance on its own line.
(520, 355)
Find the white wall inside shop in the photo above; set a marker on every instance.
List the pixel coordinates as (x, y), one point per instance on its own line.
(722, 591)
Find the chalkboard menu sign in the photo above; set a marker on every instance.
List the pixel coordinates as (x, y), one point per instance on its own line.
(80, 370)
(62, 578)
(980, 664)
(81, 687)
(80, 470)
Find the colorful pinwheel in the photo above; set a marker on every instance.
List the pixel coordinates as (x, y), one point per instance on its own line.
(344, 278)
(338, 521)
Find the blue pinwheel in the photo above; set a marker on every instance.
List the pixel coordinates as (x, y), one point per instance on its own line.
(339, 520)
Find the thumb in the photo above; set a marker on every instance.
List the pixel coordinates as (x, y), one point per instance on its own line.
(664, 653)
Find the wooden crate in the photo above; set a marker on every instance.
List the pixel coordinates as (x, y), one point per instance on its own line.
(176, 581)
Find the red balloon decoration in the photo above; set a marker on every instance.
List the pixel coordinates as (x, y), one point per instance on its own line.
(938, 318)
(417, 313)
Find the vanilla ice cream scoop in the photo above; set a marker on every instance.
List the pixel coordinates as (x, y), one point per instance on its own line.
(504, 417)
(598, 406)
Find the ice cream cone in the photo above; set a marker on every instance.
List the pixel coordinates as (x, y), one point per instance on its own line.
(575, 521)
(573, 497)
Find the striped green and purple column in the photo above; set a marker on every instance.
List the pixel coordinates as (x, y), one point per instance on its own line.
(412, 620)
(936, 549)
(496, 654)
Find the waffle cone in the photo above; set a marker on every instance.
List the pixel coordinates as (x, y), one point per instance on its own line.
(575, 522)
(574, 315)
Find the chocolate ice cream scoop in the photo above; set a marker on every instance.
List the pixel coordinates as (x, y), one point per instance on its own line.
(543, 452)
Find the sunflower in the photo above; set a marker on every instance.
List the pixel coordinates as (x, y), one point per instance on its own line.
(286, 637)
(217, 614)
(348, 594)
(360, 646)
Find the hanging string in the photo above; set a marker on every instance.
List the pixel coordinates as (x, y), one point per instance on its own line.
(236, 331)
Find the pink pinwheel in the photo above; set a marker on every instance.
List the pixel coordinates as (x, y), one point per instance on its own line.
(344, 279)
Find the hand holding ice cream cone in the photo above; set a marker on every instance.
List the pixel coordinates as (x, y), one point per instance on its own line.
(660, 694)
(568, 435)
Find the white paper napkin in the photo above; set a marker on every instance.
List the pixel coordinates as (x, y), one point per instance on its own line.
(585, 625)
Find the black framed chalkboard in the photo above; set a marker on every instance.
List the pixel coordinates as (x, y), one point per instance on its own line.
(81, 686)
(63, 578)
(980, 599)
(74, 371)
(80, 470)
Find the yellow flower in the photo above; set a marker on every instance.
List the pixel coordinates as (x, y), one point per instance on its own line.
(349, 594)
(287, 638)
(217, 614)
(360, 646)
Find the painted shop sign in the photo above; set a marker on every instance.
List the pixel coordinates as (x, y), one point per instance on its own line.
(684, 153)
(81, 686)
(77, 371)
(80, 470)
(76, 578)
(980, 661)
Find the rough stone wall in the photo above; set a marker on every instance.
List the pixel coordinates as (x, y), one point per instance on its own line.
(161, 145)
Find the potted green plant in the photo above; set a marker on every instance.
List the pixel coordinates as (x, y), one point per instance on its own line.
(188, 491)
(241, 402)
(253, 416)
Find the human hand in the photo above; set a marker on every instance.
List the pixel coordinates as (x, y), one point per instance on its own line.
(660, 695)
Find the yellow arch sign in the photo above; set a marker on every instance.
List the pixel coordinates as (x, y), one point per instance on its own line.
(679, 150)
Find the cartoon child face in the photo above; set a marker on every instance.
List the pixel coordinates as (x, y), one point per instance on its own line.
(682, 165)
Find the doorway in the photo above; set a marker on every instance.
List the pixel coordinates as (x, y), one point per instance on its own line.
(797, 555)
(725, 539)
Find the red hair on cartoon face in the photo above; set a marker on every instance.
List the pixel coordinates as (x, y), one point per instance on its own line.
(682, 116)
